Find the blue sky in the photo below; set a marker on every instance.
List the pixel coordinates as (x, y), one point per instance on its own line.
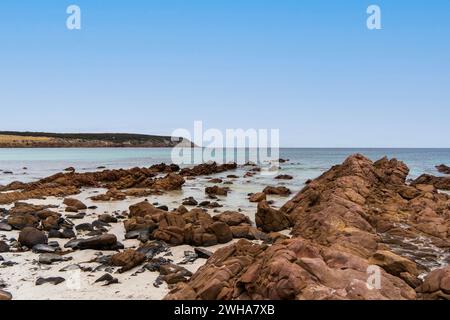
(310, 68)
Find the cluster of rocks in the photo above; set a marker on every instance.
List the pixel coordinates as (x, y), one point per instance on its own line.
(194, 227)
(339, 222)
(135, 182)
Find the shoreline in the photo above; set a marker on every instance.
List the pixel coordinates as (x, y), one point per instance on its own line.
(22, 268)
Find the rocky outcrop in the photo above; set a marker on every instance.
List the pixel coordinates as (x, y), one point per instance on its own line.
(69, 183)
(348, 223)
(291, 269)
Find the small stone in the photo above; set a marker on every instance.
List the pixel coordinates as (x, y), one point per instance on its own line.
(53, 280)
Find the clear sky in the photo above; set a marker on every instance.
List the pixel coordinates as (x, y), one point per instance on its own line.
(310, 68)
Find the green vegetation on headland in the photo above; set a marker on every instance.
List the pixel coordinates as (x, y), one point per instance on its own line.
(15, 139)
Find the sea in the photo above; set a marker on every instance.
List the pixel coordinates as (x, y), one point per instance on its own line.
(29, 164)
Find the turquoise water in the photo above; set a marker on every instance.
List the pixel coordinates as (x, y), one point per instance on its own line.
(303, 164)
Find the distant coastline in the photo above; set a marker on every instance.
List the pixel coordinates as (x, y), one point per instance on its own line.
(19, 139)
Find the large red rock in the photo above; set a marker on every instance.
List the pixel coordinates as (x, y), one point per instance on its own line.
(269, 219)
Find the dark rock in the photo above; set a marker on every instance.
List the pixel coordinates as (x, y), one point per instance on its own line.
(442, 168)
(102, 242)
(284, 177)
(189, 202)
(49, 258)
(203, 253)
(44, 248)
(52, 280)
(4, 247)
(77, 216)
(108, 279)
(30, 237)
(84, 227)
(5, 227)
(107, 218)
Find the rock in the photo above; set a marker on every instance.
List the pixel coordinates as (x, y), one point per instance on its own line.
(189, 202)
(291, 269)
(68, 234)
(30, 237)
(101, 242)
(442, 183)
(5, 227)
(84, 227)
(206, 169)
(71, 209)
(163, 207)
(232, 176)
(284, 177)
(5, 296)
(279, 191)
(70, 202)
(140, 224)
(257, 197)
(20, 221)
(53, 280)
(173, 274)
(395, 265)
(215, 180)
(49, 258)
(77, 216)
(44, 248)
(436, 285)
(442, 168)
(189, 257)
(4, 247)
(222, 232)
(171, 181)
(203, 253)
(143, 209)
(216, 190)
(232, 218)
(127, 259)
(269, 219)
(69, 169)
(108, 279)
